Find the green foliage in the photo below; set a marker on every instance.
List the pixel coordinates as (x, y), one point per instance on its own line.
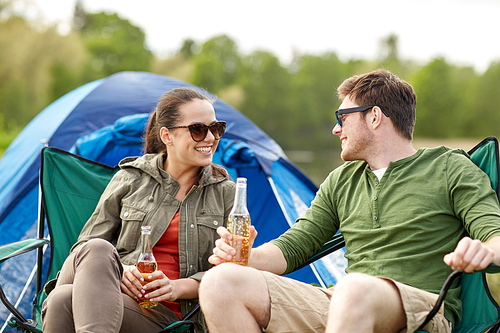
(267, 94)
(438, 104)
(484, 116)
(115, 45)
(313, 87)
(444, 95)
(217, 65)
(6, 136)
(27, 59)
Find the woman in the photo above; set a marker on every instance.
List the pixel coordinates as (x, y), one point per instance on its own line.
(176, 190)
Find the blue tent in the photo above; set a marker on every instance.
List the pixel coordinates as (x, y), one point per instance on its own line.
(104, 121)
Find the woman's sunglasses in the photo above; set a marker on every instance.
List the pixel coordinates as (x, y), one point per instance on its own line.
(199, 131)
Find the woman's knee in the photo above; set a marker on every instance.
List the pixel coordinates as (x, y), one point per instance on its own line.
(97, 256)
(97, 246)
(59, 301)
(97, 249)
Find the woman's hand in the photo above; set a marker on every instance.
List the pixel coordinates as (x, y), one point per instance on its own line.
(161, 288)
(131, 281)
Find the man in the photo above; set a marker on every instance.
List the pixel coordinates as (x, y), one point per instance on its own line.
(403, 214)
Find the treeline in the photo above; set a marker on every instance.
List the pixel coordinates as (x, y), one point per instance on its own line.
(294, 103)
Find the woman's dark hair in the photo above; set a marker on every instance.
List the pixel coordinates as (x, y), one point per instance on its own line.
(167, 114)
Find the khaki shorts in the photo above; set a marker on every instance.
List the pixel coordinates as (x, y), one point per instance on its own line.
(311, 312)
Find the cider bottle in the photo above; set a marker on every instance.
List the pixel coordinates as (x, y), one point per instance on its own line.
(238, 223)
(146, 264)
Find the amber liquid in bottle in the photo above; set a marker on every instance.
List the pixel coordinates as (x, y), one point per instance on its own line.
(238, 224)
(146, 264)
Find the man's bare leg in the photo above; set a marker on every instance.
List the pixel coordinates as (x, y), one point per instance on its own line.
(363, 303)
(233, 298)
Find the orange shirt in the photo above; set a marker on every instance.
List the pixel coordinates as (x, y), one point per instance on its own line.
(166, 253)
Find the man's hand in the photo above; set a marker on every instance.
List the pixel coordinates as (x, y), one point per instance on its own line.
(222, 251)
(470, 255)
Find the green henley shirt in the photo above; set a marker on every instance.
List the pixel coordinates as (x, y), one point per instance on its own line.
(401, 226)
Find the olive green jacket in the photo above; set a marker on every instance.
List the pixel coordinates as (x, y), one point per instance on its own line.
(142, 193)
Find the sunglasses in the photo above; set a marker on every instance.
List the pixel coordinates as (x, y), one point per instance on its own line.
(199, 131)
(340, 112)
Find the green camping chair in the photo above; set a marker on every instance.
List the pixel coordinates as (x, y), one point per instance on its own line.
(70, 189)
(480, 312)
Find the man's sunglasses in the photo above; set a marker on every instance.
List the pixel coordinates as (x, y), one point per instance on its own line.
(199, 131)
(340, 112)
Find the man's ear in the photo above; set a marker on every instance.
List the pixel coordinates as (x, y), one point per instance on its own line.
(377, 116)
(165, 136)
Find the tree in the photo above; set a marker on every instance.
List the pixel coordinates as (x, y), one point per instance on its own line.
(314, 99)
(267, 95)
(28, 58)
(484, 114)
(188, 48)
(218, 64)
(115, 45)
(389, 48)
(440, 106)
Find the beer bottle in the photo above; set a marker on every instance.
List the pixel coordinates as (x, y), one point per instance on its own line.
(146, 264)
(238, 223)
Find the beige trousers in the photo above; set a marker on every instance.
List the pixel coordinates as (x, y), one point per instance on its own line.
(301, 307)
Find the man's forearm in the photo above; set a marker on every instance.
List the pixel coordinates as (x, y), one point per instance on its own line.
(268, 257)
(494, 244)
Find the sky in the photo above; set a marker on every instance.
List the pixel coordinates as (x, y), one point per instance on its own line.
(464, 32)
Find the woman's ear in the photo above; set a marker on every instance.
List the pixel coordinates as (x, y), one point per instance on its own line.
(165, 136)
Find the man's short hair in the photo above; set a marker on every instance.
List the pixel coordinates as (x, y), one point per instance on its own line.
(385, 90)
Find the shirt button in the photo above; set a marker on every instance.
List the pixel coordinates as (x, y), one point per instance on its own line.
(375, 218)
(192, 226)
(376, 182)
(216, 223)
(126, 214)
(375, 198)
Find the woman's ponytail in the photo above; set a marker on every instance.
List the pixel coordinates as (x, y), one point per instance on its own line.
(154, 145)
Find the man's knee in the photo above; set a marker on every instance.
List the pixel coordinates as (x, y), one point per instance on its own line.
(223, 280)
(355, 287)
(224, 276)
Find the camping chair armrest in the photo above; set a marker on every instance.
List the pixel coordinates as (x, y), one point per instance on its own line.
(492, 268)
(11, 250)
(336, 243)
